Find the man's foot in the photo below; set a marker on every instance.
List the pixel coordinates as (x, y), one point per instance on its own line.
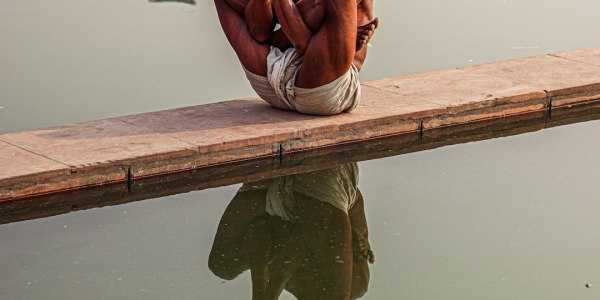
(364, 33)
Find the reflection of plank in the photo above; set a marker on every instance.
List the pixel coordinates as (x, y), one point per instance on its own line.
(291, 163)
(182, 1)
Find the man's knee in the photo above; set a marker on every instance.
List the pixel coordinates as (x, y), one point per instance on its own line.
(225, 269)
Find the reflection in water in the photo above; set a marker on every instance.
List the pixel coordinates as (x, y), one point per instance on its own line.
(306, 233)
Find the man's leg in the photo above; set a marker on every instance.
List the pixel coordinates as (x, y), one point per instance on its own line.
(367, 24)
(312, 12)
(331, 50)
(260, 19)
(364, 32)
(252, 54)
(238, 5)
(328, 236)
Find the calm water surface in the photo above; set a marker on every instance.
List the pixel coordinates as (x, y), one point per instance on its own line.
(69, 61)
(510, 218)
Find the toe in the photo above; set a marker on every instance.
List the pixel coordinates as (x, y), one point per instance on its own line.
(376, 22)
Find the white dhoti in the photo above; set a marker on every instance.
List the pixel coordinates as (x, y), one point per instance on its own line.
(278, 87)
(336, 186)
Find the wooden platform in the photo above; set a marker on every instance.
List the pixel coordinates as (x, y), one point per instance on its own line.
(130, 147)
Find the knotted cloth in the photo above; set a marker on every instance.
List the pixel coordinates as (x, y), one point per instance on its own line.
(279, 89)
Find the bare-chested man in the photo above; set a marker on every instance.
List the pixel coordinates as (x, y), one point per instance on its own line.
(311, 63)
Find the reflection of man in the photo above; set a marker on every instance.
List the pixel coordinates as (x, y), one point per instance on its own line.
(311, 64)
(306, 233)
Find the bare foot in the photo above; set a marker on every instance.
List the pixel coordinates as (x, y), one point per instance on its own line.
(364, 33)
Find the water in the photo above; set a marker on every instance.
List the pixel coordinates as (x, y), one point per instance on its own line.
(514, 218)
(65, 61)
(504, 218)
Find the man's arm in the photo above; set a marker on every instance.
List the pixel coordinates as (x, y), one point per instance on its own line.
(259, 16)
(292, 24)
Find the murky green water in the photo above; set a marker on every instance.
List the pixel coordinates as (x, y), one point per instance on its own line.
(509, 218)
(514, 217)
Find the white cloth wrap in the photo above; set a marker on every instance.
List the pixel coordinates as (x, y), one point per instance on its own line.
(335, 186)
(279, 90)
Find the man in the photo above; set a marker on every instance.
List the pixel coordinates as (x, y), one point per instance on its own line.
(306, 233)
(311, 63)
